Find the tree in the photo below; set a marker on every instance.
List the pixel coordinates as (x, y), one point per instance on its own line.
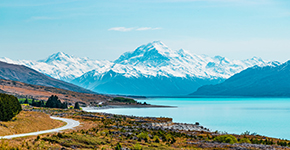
(33, 103)
(26, 101)
(54, 102)
(37, 103)
(77, 105)
(9, 107)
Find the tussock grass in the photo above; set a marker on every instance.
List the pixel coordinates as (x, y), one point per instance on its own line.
(27, 121)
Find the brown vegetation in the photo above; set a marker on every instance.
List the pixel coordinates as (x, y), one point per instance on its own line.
(23, 90)
(109, 131)
(27, 121)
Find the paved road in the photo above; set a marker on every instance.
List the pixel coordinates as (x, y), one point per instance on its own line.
(70, 124)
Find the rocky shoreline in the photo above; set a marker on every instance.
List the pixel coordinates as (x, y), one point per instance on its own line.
(126, 106)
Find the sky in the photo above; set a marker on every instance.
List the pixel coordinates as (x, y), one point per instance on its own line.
(104, 29)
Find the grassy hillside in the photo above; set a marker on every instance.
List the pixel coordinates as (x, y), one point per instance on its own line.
(27, 121)
(108, 131)
(23, 90)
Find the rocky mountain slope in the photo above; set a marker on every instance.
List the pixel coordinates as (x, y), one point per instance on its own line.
(267, 81)
(156, 70)
(27, 75)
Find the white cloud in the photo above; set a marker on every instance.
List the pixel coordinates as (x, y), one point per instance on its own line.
(124, 29)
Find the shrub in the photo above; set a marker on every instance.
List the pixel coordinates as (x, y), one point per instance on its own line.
(118, 147)
(143, 136)
(226, 139)
(137, 147)
(244, 140)
(124, 100)
(156, 139)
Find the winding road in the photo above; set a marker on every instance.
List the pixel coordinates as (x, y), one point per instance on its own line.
(70, 125)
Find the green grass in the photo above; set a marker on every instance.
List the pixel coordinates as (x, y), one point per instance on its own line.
(21, 101)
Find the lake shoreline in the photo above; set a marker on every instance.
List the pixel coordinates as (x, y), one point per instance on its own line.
(234, 115)
(126, 106)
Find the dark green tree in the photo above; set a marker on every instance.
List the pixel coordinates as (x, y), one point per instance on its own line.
(77, 105)
(9, 107)
(54, 102)
(26, 101)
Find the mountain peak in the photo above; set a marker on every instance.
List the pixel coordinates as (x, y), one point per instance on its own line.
(155, 45)
(154, 52)
(59, 56)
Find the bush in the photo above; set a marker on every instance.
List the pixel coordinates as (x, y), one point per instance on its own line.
(118, 147)
(156, 139)
(143, 136)
(137, 147)
(244, 140)
(9, 107)
(124, 100)
(226, 139)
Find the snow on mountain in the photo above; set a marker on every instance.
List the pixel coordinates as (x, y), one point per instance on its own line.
(151, 69)
(177, 71)
(156, 59)
(258, 81)
(62, 66)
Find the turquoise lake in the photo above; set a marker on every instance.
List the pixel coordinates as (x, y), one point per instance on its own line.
(264, 116)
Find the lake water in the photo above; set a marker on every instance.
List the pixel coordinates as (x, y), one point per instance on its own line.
(265, 116)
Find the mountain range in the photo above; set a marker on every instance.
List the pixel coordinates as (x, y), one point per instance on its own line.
(266, 81)
(152, 69)
(27, 75)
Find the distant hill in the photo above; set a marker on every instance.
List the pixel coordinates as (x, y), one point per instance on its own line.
(38, 92)
(27, 75)
(268, 81)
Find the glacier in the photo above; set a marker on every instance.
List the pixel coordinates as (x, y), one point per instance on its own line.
(152, 69)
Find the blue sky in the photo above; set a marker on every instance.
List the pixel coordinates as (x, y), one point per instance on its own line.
(104, 29)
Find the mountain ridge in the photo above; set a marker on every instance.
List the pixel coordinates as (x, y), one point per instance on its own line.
(151, 62)
(266, 81)
(177, 72)
(27, 75)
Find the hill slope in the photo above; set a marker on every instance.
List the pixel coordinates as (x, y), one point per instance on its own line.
(268, 81)
(30, 76)
(38, 92)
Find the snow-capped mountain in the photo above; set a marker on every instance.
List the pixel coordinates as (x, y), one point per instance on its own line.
(157, 59)
(62, 66)
(266, 81)
(155, 69)
(151, 69)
